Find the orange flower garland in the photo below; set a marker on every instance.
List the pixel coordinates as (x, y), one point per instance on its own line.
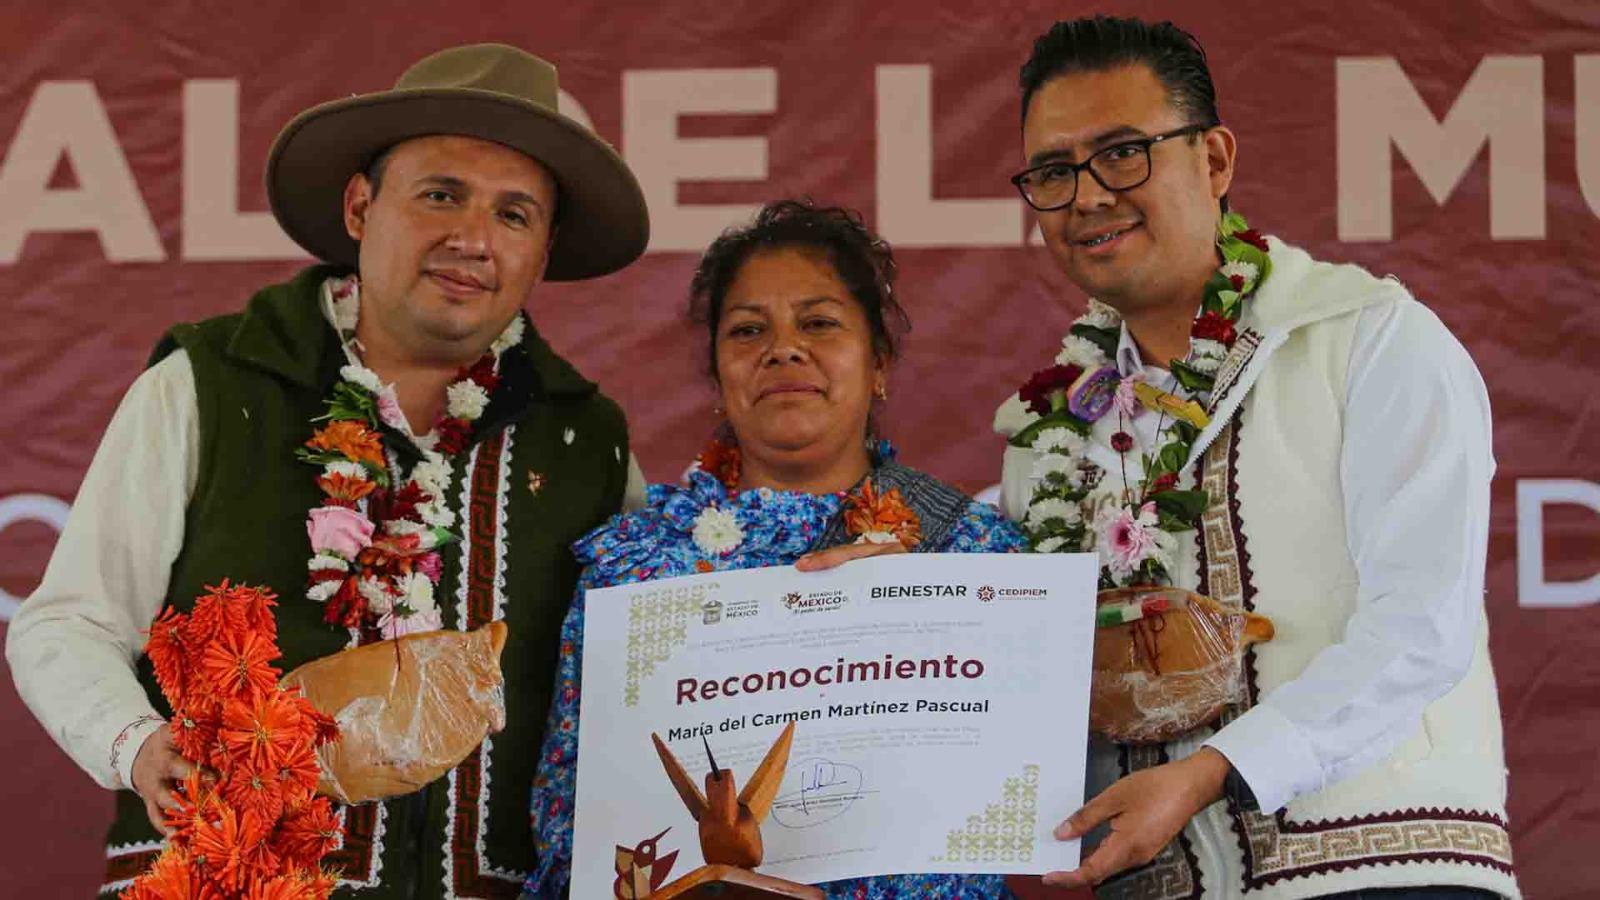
(252, 827)
(872, 513)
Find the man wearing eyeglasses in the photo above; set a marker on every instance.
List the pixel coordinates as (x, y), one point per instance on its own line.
(1337, 441)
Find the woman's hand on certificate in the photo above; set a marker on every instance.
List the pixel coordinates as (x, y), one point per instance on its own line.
(1146, 810)
(837, 556)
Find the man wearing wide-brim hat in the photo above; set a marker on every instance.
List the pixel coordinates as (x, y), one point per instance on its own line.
(436, 209)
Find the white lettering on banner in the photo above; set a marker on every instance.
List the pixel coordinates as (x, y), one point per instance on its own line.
(66, 118)
(908, 214)
(44, 508)
(1501, 105)
(213, 226)
(1586, 142)
(1532, 589)
(652, 101)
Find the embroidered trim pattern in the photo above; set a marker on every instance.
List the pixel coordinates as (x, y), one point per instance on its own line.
(467, 870)
(1273, 847)
(125, 862)
(122, 739)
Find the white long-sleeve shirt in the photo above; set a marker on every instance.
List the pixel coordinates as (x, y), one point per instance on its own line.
(73, 643)
(1416, 463)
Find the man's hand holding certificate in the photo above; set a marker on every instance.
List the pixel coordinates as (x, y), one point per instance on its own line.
(940, 705)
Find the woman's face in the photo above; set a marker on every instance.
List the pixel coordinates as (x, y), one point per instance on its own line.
(795, 360)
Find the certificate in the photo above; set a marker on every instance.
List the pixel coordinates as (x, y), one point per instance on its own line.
(940, 704)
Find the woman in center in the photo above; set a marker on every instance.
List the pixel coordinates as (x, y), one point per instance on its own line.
(799, 314)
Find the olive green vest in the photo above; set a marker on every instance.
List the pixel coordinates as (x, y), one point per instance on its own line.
(548, 463)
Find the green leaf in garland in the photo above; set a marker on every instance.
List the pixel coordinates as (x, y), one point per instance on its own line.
(1191, 378)
(1058, 419)
(1231, 223)
(1185, 506)
(1186, 431)
(1170, 459)
(1105, 338)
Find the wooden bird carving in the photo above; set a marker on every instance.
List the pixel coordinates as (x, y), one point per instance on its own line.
(730, 826)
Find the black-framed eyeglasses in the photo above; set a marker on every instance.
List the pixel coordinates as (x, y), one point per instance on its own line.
(1119, 167)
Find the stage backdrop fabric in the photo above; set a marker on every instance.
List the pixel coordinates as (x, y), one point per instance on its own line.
(1458, 150)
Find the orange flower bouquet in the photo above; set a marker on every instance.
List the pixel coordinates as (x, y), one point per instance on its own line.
(250, 827)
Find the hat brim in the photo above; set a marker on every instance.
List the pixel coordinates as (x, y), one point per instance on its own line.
(604, 224)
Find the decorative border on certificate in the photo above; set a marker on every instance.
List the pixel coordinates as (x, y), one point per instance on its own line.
(1005, 831)
(658, 624)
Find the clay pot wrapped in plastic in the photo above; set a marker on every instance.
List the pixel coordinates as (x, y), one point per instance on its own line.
(408, 710)
(1166, 661)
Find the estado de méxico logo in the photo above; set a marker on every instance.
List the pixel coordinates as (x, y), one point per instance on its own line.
(815, 601)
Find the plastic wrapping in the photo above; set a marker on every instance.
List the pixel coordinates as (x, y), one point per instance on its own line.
(1172, 667)
(408, 710)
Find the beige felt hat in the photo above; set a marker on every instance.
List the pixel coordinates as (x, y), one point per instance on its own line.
(489, 91)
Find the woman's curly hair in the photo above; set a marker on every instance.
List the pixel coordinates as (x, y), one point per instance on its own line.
(862, 260)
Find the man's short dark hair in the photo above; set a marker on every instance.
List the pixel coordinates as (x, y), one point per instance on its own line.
(1104, 43)
(375, 169)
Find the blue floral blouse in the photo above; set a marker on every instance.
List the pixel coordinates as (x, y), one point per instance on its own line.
(656, 542)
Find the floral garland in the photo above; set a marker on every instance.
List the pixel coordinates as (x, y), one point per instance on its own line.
(871, 517)
(376, 536)
(251, 827)
(1136, 534)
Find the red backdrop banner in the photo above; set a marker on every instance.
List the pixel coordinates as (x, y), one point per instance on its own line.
(1459, 152)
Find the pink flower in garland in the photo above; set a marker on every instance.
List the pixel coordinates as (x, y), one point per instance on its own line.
(1126, 538)
(340, 530)
(1126, 401)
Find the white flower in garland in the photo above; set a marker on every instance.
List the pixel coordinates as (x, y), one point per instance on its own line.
(1206, 355)
(1246, 271)
(1102, 316)
(436, 515)
(1064, 468)
(417, 594)
(432, 474)
(466, 400)
(346, 468)
(1050, 545)
(1060, 440)
(717, 531)
(363, 376)
(403, 527)
(510, 337)
(376, 593)
(1080, 351)
(876, 537)
(1047, 509)
(322, 590)
(326, 561)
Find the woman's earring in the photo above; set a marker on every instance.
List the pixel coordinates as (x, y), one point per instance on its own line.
(881, 392)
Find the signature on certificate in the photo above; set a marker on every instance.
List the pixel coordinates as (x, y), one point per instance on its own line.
(822, 791)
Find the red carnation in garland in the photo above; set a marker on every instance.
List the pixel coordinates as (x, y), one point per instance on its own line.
(1252, 237)
(482, 373)
(247, 827)
(1214, 327)
(1036, 393)
(1166, 482)
(453, 435)
(346, 607)
(1122, 442)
